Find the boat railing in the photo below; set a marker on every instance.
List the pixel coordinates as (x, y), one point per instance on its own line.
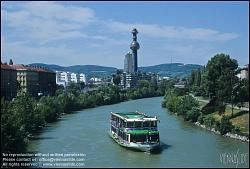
(142, 128)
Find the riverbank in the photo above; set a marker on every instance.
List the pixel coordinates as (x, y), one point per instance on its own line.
(26, 115)
(239, 119)
(231, 135)
(86, 132)
(191, 110)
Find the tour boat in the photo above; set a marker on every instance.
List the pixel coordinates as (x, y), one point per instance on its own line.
(135, 130)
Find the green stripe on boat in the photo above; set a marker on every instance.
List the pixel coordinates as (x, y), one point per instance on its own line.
(142, 132)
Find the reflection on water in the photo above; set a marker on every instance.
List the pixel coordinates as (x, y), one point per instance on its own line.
(182, 144)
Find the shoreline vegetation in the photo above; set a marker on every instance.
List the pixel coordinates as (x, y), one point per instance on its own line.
(222, 97)
(25, 116)
(231, 135)
(188, 107)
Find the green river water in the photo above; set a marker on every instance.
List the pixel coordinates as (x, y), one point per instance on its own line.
(183, 143)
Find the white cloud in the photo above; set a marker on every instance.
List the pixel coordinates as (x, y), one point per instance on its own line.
(30, 54)
(44, 22)
(53, 10)
(154, 30)
(30, 28)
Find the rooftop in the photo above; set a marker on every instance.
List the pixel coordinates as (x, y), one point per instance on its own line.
(30, 68)
(6, 67)
(134, 116)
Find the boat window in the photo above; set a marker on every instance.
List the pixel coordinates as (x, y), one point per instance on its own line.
(113, 118)
(138, 138)
(153, 137)
(113, 129)
(146, 124)
(153, 124)
(130, 124)
(138, 124)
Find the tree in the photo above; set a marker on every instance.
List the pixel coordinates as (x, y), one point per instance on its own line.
(12, 134)
(193, 114)
(117, 79)
(23, 107)
(241, 93)
(82, 85)
(186, 104)
(220, 76)
(50, 108)
(143, 83)
(201, 119)
(225, 125)
(209, 121)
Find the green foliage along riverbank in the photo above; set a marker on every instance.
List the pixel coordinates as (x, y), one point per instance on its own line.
(188, 107)
(25, 115)
(217, 84)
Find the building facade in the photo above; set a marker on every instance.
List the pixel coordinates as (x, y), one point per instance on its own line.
(27, 79)
(34, 80)
(83, 78)
(75, 78)
(244, 72)
(130, 80)
(8, 82)
(129, 63)
(46, 81)
(64, 78)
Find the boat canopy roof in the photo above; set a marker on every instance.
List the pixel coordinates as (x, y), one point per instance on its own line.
(134, 116)
(143, 132)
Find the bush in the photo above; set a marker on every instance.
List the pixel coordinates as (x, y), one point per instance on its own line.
(209, 121)
(163, 103)
(185, 104)
(193, 114)
(201, 119)
(236, 129)
(225, 125)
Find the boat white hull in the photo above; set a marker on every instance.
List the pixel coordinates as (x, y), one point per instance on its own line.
(147, 147)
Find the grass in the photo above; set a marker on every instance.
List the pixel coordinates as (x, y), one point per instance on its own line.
(228, 112)
(242, 122)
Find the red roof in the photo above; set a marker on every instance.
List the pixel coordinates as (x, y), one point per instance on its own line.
(6, 67)
(30, 68)
(19, 67)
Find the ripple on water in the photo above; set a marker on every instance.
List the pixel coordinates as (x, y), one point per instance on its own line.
(184, 144)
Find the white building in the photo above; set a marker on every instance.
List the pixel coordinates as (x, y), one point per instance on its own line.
(243, 73)
(75, 77)
(64, 78)
(160, 78)
(83, 78)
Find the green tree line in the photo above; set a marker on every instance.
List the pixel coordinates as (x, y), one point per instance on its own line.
(218, 82)
(25, 115)
(188, 107)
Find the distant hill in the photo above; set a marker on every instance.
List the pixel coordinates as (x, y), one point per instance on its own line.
(87, 69)
(169, 69)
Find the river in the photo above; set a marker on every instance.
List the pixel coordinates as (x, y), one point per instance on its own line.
(183, 143)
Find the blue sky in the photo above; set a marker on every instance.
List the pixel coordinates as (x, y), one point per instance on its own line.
(79, 33)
